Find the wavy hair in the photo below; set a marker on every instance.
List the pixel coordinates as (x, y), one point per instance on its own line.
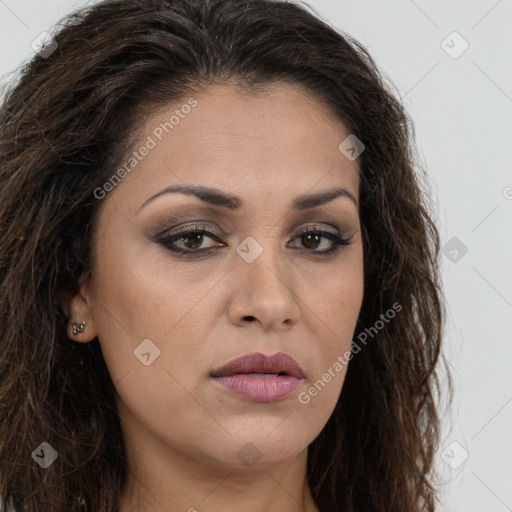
(66, 123)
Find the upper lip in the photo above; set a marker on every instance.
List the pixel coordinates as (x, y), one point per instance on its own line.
(261, 363)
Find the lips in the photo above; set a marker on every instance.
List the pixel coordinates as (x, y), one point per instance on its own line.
(277, 364)
(259, 378)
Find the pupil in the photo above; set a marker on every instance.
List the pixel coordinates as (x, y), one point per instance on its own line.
(196, 243)
(308, 238)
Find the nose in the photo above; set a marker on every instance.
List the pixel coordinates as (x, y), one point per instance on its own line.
(264, 293)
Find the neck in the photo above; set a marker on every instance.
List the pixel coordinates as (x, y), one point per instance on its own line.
(177, 482)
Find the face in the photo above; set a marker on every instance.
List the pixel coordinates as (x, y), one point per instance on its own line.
(264, 271)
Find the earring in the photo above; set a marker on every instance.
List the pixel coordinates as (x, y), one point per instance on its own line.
(78, 328)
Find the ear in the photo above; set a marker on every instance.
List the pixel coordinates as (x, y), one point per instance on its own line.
(78, 309)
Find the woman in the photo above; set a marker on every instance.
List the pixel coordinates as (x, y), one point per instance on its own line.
(220, 285)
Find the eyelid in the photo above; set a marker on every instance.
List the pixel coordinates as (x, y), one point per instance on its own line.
(162, 229)
(323, 226)
(199, 225)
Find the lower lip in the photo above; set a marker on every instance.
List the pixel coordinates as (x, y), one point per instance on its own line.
(259, 389)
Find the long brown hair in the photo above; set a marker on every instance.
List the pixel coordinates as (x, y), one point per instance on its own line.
(68, 121)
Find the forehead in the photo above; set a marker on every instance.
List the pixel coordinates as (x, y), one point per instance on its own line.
(281, 141)
(282, 116)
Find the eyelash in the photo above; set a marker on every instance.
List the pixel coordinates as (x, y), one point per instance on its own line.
(167, 241)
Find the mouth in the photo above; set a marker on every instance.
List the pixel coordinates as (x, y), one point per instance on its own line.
(260, 378)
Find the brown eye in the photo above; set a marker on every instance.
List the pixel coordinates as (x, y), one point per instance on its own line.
(311, 238)
(311, 241)
(188, 240)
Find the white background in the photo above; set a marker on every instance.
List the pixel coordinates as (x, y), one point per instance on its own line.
(462, 110)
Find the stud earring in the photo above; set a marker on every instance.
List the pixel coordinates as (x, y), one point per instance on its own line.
(78, 328)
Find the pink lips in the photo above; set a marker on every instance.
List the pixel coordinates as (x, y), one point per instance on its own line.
(276, 377)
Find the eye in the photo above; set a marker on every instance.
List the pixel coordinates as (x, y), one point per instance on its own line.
(311, 238)
(188, 242)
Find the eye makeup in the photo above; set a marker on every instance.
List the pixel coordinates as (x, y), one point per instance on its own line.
(176, 238)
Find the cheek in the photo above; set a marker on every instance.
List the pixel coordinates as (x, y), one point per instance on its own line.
(139, 296)
(335, 328)
(138, 299)
(155, 380)
(337, 307)
(335, 301)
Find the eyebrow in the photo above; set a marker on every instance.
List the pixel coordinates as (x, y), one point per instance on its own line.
(216, 197)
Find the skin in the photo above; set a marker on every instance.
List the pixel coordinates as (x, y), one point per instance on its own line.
(183, 432)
